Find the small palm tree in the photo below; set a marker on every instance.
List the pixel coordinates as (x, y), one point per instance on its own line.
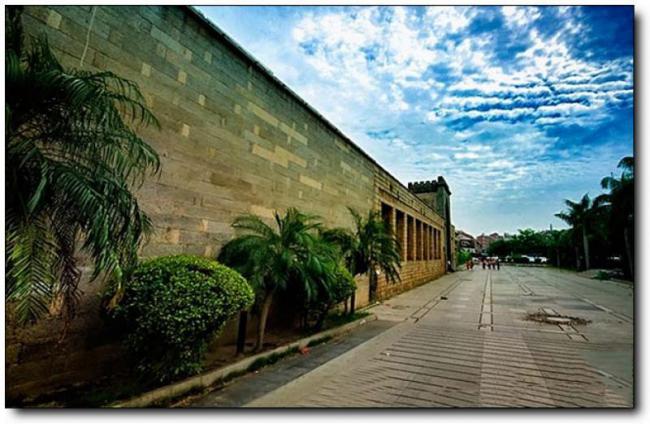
(274, 259)
(620, 204)
(366, 249)
(580, 216)
(71, 160)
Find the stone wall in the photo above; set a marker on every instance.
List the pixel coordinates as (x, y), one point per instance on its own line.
(233, 140)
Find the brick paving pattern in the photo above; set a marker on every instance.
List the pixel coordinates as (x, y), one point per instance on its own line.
(464, 341)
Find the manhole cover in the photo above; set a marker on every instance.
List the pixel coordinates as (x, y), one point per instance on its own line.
(554, 318)
(399, 307)
(558, 320)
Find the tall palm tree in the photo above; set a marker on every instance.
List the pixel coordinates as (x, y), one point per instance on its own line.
(273, 258)
(579, 216)
(620, 203)
(369, 247)
(72, 158)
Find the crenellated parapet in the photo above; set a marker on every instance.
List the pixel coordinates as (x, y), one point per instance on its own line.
(436, 194)
(431, 186)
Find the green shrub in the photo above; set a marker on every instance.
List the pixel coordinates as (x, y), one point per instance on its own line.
(338, 289)
(519, 259)
(603, 276)
(171, 308)
(342, 287)
(463, 256)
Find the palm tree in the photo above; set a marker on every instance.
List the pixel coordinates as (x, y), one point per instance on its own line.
(347, 244)
(579, 216)
(369, 247)
(71, 161)
(273, 259)
(620, 203)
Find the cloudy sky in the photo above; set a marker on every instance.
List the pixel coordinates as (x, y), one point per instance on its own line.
(518, 108)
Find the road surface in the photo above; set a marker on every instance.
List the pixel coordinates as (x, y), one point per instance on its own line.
(466, 340)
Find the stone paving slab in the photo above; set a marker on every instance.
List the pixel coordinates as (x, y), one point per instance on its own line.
(476, 348)
(270, 378)
(438, 367)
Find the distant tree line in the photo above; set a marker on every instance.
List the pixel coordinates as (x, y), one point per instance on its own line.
(601, 233)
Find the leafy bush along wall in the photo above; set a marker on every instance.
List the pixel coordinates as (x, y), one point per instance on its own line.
(171, 309)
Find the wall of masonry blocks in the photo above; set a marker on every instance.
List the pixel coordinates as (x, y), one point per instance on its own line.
(232, 140)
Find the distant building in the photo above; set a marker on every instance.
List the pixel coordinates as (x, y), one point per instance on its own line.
(465, 241)
(484, 241)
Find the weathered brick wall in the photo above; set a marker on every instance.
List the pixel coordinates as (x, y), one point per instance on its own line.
(413, 274)
(391, 193)
(233, 140)
(38, 359)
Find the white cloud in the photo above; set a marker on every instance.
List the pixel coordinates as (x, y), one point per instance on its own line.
(432, 116)
(467, 155)
(399, 143)
(520, 15)
(549, 82)
(454, 106)
(464, 135)
(478, 148)
(436, 156)
(501, 163)
(381, 56)
(449, 19)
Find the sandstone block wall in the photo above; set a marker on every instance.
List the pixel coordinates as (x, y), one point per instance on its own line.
(233, 140)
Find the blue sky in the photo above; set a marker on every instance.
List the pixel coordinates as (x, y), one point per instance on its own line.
(517, 107)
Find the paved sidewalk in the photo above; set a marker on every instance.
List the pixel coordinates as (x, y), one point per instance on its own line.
(464, 341)
(255, 385)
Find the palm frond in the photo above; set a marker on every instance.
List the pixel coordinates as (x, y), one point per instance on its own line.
(30, 268)
(627, 164)
(72, 159)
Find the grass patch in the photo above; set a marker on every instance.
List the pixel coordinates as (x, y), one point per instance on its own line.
(319, 341)
(91, 395)
(173, 401)
(182, 399)
(336, 320)
(271, 359)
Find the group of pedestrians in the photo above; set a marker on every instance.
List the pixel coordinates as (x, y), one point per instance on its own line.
(489, 263)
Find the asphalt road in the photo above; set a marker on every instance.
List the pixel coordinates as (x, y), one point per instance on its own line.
(467, 340)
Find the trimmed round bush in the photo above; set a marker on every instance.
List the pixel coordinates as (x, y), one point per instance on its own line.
(173, 306)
